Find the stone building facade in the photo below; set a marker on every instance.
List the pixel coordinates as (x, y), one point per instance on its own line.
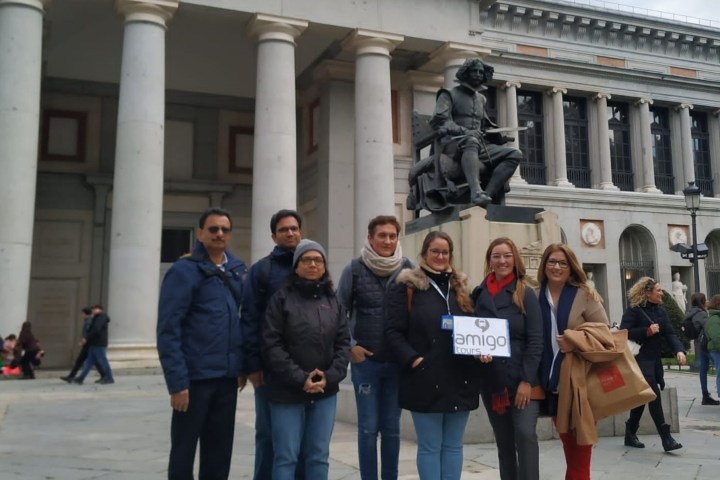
(121, 120)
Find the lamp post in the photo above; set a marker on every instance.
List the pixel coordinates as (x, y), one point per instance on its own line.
(692, 203)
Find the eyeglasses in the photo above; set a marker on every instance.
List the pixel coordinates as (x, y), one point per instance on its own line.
(650, 284)
(292, 229)
(315, 260)
(557, 263)
(439, 253)
(505, 256)
(215, 229)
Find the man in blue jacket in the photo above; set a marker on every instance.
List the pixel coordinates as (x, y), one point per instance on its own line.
(199, 342)
(266, 277)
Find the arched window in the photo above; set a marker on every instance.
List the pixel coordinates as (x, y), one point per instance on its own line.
(637, 257)
(712, 264)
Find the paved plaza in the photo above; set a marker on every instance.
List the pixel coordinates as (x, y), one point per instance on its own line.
(53, 430)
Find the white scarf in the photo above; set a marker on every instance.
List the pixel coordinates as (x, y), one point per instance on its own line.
(381, 266)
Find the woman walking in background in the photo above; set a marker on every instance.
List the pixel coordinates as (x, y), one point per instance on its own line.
(566, 302)
(647, 323)
(699, 315)
(508, 398)
(437, 386)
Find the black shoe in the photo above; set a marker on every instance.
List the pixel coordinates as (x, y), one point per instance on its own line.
(103, 381)
(631, 439)
(67, 379)
(668, 442)
(708, 400)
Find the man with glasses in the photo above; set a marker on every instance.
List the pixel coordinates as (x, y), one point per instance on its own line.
(266, 277)
(199, 343)
(362, 289)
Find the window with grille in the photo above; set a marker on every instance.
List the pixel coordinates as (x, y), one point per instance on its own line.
(530, 115)
(576, 141)
(662, 155)
(620, 159)
(701, 152)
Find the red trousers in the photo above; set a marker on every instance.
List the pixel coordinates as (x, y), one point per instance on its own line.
(577, 457)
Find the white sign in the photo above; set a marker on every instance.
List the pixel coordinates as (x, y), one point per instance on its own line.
(481, 336)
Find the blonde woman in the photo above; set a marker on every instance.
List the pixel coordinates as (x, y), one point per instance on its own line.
(647, 323)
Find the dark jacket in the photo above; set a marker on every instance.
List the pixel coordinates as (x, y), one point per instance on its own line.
(265, 277)
(198, 330)
(637, 324)
(443, 382)
(526, 337)
(699, 317)
(712, 331)
(97, 333)
(305, 328)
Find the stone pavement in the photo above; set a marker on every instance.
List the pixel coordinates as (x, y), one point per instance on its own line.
(52, 430)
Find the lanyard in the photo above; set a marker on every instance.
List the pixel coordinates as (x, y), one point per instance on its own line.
(446, 296)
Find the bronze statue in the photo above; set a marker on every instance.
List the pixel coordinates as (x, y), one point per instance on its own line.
(469, 162)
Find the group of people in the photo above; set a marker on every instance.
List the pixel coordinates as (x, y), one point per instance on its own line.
(705, 316)
(93, 348)
(21, 352)
(282, 326)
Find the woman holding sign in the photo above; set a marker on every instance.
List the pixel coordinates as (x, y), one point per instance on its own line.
(437, 386)
(566, 302)
(508, 395)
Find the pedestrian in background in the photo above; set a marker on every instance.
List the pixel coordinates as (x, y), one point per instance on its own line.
(699, 315)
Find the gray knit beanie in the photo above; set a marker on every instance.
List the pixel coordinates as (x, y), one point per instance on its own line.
(306, 245)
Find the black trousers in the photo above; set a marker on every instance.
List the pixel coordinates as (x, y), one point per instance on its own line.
(210, 419)
(80, 361)
(655, 407)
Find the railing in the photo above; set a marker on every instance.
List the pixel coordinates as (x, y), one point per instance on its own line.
(706, 186)
(580, 177)
(675, 17)
(623, 180)
(534, 174)
(712, 279)
(665, 183)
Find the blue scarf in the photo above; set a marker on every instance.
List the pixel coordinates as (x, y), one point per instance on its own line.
(547, 363)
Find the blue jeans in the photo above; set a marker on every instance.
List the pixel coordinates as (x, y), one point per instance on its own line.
(440, 444)
(310, 425)
(703, 358)
(96, 355)
(716, 360)
(376, 397)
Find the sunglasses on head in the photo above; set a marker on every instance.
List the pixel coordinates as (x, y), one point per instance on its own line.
(215, 229)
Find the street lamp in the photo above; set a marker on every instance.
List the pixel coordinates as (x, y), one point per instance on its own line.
(692, 203)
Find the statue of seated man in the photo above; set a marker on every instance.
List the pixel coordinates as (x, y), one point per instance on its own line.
(461, 122)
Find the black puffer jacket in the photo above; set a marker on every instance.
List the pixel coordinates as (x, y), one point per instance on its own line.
(443, 382)
(97, 334)
(305, 328)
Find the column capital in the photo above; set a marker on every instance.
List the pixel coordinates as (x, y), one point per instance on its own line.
(684, 106)
(511, 84)
(601, 95)
(372, 42)
(455, 53)
(552, 91)
(642, 101)
(153, 11)
(38, 4)
(274, 27)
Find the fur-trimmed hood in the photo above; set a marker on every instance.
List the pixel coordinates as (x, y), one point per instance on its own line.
(417, 279)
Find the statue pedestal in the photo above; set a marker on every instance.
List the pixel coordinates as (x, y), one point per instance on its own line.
(472, 230)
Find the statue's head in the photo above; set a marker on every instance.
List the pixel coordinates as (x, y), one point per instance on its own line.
(474, 72)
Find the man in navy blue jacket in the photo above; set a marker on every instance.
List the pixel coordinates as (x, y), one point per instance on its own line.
(266, 277)
(199, 342)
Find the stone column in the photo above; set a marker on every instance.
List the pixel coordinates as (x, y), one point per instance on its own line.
(561, 178)
(451, 55)
(512, 122)
(21, 30)
(606, 182)
(275, 144)
(374, 160)
(714, 130)
(646, 147)
(688, 161)
(137, 199)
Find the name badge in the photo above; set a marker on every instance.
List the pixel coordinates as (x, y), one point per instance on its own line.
(446, 322)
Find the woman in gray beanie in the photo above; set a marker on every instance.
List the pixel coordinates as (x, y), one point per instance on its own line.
(306, 347)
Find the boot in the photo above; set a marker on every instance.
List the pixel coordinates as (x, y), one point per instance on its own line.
(708, 400)
(668, 442)
(631, 440)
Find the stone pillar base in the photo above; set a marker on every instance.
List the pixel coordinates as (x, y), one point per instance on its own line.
(133, 356)
(609, 187)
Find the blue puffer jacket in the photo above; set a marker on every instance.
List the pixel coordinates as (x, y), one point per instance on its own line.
(198, 330)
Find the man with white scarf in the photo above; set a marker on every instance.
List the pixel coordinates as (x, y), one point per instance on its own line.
(362, 289)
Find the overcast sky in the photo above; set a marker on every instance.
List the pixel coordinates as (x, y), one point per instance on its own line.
(702, 9)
